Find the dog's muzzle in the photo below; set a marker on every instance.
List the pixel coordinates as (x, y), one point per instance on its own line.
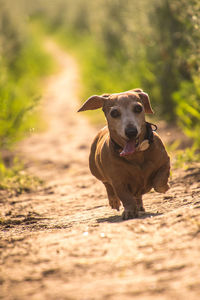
(132, 145)
(131, 132)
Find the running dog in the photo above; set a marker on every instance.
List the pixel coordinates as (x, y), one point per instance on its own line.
(127, 155)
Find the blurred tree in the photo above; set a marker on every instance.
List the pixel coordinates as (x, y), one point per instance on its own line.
(12, 31)
(175, 37)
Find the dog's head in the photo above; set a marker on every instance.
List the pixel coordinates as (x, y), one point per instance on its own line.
(125, 114)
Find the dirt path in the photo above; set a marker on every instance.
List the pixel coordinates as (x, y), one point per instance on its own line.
(64, 242)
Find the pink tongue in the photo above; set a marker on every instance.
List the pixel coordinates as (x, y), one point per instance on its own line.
(129, 148)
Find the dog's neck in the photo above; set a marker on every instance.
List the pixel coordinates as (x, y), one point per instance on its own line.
(144, 140)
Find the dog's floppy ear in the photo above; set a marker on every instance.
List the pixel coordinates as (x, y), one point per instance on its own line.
(94, 102)
(146, 102)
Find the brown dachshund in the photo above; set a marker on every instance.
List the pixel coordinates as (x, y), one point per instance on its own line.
(127, 155)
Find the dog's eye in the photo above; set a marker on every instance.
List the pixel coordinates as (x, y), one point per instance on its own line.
(137, 108)
(115, 113)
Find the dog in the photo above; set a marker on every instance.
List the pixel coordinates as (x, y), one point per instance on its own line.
(127, 155)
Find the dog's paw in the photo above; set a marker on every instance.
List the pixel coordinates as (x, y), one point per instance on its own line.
(162, 189)
(129, 214)
(114, 203)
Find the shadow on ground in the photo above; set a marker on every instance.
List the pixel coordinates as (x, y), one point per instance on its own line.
(118, 219)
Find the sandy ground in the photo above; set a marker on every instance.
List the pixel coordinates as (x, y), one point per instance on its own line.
(65, 242)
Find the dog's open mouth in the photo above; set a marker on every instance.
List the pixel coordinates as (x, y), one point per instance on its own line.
(130, 147)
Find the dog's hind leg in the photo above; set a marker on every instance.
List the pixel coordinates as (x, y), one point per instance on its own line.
(113, 199)
(161, 178)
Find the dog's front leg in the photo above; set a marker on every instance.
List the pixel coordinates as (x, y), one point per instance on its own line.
(128, 201)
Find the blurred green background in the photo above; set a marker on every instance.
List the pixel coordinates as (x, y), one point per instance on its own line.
(119, 45)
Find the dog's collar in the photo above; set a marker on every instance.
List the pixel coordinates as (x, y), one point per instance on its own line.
(144, 145)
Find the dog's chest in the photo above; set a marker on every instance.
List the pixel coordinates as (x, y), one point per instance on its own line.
(138, 173)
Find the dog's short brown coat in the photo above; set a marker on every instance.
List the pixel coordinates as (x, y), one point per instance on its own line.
(127, 178)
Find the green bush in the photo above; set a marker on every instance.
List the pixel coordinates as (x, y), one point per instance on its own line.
(19, 90)
(188, 103)
(23, 62)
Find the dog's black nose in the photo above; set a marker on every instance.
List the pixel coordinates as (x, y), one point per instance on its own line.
(131, 132)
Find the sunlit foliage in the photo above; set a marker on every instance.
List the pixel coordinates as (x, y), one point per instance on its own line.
(22, 63)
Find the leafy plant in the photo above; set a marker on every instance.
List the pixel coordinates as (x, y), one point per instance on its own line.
(23, 62)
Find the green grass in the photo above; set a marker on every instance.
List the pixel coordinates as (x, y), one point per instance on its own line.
(21, 86)
(20, 91)
(16, 181)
